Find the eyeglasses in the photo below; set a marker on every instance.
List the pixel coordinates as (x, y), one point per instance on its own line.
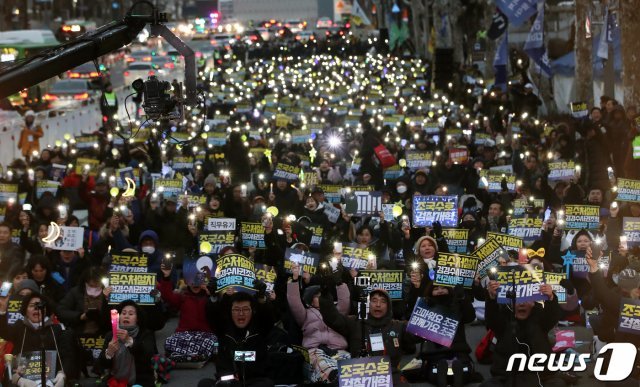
(241, 310)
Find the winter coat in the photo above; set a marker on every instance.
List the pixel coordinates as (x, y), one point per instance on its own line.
(142, 350)
(29, 140)
(315, 331)
(96, 204)
(192, 307)
(72, 306)
(11, 255)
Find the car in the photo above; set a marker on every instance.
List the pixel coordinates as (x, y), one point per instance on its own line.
(295, 25)
(222, 40)
(164, 62)
(140, 56)
(87, 71)
(69, 93)
(141, 70)
(324, 22)
(264, 33)
(305, 36)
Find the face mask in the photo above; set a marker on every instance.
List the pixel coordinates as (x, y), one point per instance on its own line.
(148, 249)
(93, 292)
(468, 224)
(401, 189)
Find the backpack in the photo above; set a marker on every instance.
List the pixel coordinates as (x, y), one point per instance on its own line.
(484, 350)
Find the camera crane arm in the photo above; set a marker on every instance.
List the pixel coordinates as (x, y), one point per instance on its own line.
(92, 45)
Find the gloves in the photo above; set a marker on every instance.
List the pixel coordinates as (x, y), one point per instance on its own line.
(59, 380)
(437, 229)
(565, 283)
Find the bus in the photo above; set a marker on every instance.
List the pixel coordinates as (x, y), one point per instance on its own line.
(18, 45)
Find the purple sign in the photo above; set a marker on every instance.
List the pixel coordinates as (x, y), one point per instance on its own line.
(432, 325)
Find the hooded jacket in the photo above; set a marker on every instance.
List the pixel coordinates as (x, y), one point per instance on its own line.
(315, 331)
(192, 307)
(395, 338)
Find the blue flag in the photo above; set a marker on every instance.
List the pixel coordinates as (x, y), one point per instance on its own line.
(534, 46)
(500, 62)
(517, 11)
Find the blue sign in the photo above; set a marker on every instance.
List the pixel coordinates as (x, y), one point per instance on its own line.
(429, 209)
(517, 11)
(432, 324)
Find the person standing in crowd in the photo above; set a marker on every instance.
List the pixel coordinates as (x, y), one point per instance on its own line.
(29, 143)
(108, 103)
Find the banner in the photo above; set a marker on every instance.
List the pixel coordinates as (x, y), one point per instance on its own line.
(529, 229)
(579, 216)
(237, 271)
(527, 282)
(509, 242)
(432, 324)
(562, 171)
(534, 45)
(252, 235)
(456, 269)
(267, 275)
(554, 279)
(389, 280)
(286, 172)
(365, 371)
(490, 254)
(429, 209)
(354, 257)
(631, 228)
(517, 11)
(132, 286)
(69, 239)
(628, 190)
(129, 263)
(43, 186)
(363, 203)
(308, 261)
(629, 316)
(457, 239)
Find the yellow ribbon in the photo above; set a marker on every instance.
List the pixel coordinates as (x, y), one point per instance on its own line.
(533, 253)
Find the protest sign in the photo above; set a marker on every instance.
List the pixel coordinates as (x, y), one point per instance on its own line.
(198, 271)
(579, 109)
(459, 155)
(527, 280)
(509, 242)
(132, 286)
(43, 186)
(93, 344)
(432, 324)
(365, 371)
(69, 239)
(236, 271)
(562, 171)
(529, 229)
(212, 242)
(286, 172)
(57, 172)
(579, 216)
(554, 280)
(332, 193)
(522, 206)
(456, 269)
(14, 308)
(332, 213)
(517, 11)
(87, 142)
(216, 139)
(418, 159)
(317, 233)
(267, 275)
(362, 203)
(129, 263)
(490, 254)
(429, 209)
(457, 239)
(168, 187)
(354, 257)
(493, 181)
(252, 235)
(389, 280)
(308, 261)
(393, 173)
(631, 228)
(86, 165)
(193, 200)
(33, 366)
(431, 128)
(629, 321)
(128, 172)
(9, 192)
(628, 190)
(182, 163)
(576, 264)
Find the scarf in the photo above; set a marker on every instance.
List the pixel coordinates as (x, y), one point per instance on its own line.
(124, 366)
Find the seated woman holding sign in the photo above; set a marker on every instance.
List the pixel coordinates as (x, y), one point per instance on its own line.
(28, 335)
(193, 340)
(128, 356)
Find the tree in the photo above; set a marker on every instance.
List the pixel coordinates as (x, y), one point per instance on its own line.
(584, 67)
(630, 31)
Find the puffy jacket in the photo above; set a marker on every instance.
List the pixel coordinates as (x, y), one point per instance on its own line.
(192, 307)
(315, 331)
